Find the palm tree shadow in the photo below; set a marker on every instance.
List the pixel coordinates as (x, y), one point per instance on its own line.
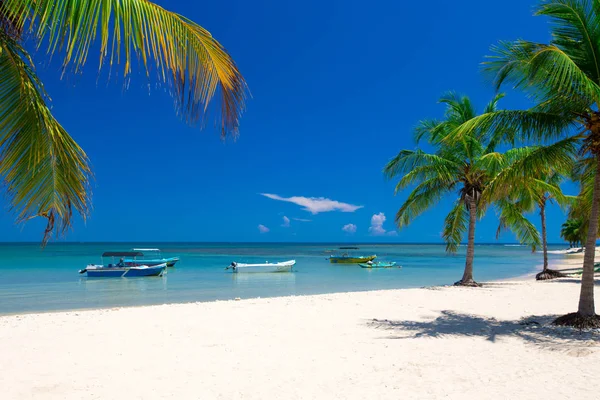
(536, 330)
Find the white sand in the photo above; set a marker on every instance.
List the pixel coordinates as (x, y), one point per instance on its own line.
(450, 343)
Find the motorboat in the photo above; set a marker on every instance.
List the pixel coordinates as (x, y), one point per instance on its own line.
(285, 266)
(121, 269)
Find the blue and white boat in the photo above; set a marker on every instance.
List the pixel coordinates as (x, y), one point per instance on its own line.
(150, 257)
(121, 269)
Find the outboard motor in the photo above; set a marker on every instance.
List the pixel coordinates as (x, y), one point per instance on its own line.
(232, 266)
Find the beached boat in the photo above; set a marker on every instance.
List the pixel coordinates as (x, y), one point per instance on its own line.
(120, 269)
(348, 259)
(575, 250)
(379, 264)
(150, 257)
(285, 266)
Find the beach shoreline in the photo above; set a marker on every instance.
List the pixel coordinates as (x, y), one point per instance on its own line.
(432, 342)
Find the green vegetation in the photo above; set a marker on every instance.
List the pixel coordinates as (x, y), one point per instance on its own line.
(46, 173)
(573, 232)
(562, 78)
(467, 165)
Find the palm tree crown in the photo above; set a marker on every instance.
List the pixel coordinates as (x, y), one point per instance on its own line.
(465, 166)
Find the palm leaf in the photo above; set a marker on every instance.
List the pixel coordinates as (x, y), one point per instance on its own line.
(511, 217)
(186, 57)
(420, 199)
(455, 226)
(45, 171)
(574, 29)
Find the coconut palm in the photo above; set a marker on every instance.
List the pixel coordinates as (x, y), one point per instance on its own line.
(563, 78)
(45, 171)
(572, 231)
(465, 166)
(530, 193)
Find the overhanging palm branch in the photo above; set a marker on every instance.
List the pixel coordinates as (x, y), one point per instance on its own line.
(185, 56)
(45, 171)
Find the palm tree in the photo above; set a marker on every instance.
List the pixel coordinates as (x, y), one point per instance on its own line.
(530, 193)
(573, 231)
(563, 79)
(45, 171)
(467, 166)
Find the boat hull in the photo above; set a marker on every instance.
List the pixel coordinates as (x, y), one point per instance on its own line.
(171, 261)
(378, 265)
(267, 267)
(351, 260)
(126, 272)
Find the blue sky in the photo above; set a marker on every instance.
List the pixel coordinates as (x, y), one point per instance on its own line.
(337, 87)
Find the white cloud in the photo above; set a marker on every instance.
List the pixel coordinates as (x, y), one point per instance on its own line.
(302, 220)
(263, 229)
(377, 229)
(286, 222)
(349, 228)
(315, 205)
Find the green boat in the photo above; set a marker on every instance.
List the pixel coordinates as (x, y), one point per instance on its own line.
(378, 264)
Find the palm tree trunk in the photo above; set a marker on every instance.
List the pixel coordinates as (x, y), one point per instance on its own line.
(467, 278)
(586, 297)
(544, 240)
(546, 273)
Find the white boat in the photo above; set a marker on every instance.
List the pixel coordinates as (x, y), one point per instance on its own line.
(285, 266)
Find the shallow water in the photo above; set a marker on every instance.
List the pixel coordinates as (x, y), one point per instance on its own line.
(35, 280)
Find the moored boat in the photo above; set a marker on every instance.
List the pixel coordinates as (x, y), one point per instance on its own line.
(150, 257)
(347, 259)
(285, 266)
(379, 264)
(120, 269)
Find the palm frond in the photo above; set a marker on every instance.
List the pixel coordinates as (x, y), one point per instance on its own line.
(186, 57)
(455, 226)
(531, 124)
(546, 71)
(575, 30)
(420, 199)
(46, 173)
(511, 217)
(428, 129)
(408, 160)
(528, 164)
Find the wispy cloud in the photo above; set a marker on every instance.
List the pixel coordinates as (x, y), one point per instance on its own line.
(286, 222)
(302, 220)
(377, 229)
(349, 228)
(263, 229)
(315, 205)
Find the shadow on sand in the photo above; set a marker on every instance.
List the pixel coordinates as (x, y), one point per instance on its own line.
(535, 330)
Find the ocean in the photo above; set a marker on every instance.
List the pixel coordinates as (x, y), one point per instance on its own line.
(36, 280)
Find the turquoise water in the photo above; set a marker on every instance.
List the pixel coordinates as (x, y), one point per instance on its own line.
(34, 280)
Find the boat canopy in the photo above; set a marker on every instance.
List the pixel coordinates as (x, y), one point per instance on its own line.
(122, 254)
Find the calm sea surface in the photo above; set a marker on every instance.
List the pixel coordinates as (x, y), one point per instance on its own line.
(33, 280)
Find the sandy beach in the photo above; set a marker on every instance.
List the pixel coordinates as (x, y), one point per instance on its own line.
(428, 343)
